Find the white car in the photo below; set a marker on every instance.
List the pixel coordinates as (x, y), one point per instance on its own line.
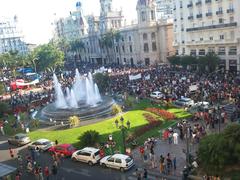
(203, 104)
(156, 94)
(117, 161)
(184, 102)
(41, 144)
(88, 155)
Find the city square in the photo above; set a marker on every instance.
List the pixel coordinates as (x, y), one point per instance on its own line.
(111, 96)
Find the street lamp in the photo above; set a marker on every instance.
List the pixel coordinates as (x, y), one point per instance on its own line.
(123, 128)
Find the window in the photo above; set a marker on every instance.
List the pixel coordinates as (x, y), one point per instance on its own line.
(221, 37)
(145, 36)
(111, 159)
(201, 39)
(221, 51)
(118, 161)
(146, 49)
(123, 48)
(143, 16)
(130, 48)
(122, 39)
(211, 38)
(232, 50)
(211, 49)
(221, 20)
(193, 52)
(153, 35)
(231, 19)
(154, 46)
(152, 15)
(124, 60)
(201, 52)
(130, 38)
(117, 49)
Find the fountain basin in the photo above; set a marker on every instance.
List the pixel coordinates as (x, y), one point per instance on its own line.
(84, 111)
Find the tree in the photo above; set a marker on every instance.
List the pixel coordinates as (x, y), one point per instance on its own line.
(49, 56)
(102, 80)
(174, 60)
(76, 47)
(73, 121)
(4, 108)
(89, 138)
(218, 151)
(212, 61)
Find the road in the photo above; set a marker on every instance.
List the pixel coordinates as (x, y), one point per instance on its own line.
(68, 170)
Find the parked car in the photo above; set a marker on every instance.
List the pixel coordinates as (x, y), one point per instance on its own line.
(117, 161)
(157, 95)
(19, 139)
(186, 102)
(41, 144)
(65, 149)
(202, 105)
(88, 155)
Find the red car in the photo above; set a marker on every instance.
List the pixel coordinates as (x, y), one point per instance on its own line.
(65, 149)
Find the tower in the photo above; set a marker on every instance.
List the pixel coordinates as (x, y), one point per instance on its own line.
(106, 6)
(146, 10)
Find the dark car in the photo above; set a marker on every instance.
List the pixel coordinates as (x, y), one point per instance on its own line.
(19, 140)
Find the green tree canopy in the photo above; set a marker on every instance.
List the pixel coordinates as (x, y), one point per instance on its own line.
(218, 151)
(49, 56)
(102, 80)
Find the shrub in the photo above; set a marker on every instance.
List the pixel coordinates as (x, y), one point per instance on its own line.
(116, 109)
(128, 103)
(162, 113)
(4, 108)
(74, 121)
(34, 124)
(89, 138)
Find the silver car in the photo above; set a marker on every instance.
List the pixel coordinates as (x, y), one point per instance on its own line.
(19, 139)
(41, 144)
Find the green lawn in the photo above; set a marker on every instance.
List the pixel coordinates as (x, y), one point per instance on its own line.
(104, 128)
(107, 127)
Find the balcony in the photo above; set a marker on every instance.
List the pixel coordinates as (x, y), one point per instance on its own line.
(190, 5)
(230, 11)
(190, 17)
(208, 14)
(232, 53)
(208, 1)
(198, 3)
(234, 24)
(219, 12)
(199, 16)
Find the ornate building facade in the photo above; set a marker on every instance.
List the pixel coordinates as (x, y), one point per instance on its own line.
(109, 41)
(11, 38)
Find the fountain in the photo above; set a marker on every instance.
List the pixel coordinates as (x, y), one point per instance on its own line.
(82, 99)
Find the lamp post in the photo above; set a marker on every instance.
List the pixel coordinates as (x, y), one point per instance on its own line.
(123, 128)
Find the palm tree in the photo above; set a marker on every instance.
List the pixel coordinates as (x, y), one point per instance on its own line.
(76, 47)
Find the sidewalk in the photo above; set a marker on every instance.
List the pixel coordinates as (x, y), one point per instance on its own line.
(163, 148)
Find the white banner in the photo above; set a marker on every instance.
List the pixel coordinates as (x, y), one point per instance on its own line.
(135, 77)
(147, 77)
(26, 84)
(193, 88)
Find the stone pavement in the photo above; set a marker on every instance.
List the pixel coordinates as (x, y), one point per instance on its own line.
(162, 147)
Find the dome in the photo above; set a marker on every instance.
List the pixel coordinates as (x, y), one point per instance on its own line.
(78, 4)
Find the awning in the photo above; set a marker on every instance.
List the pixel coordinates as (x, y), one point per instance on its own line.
(6, 170)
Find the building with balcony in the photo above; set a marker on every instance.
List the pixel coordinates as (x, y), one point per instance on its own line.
(164, 9)
(11, 38)
(209, 26)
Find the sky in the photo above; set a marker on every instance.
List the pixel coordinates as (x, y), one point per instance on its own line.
(35, 17)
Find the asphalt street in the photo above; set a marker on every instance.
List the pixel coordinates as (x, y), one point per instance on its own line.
(68, 170)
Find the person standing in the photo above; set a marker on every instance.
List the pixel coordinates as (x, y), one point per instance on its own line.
(175, 163)
(175, 138)
(161, 164)
(145, 174)
(46, 172)
(54, 171)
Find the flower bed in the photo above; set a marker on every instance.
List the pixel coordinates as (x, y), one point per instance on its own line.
(150, 118)
(153, 122)
(162, 113)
